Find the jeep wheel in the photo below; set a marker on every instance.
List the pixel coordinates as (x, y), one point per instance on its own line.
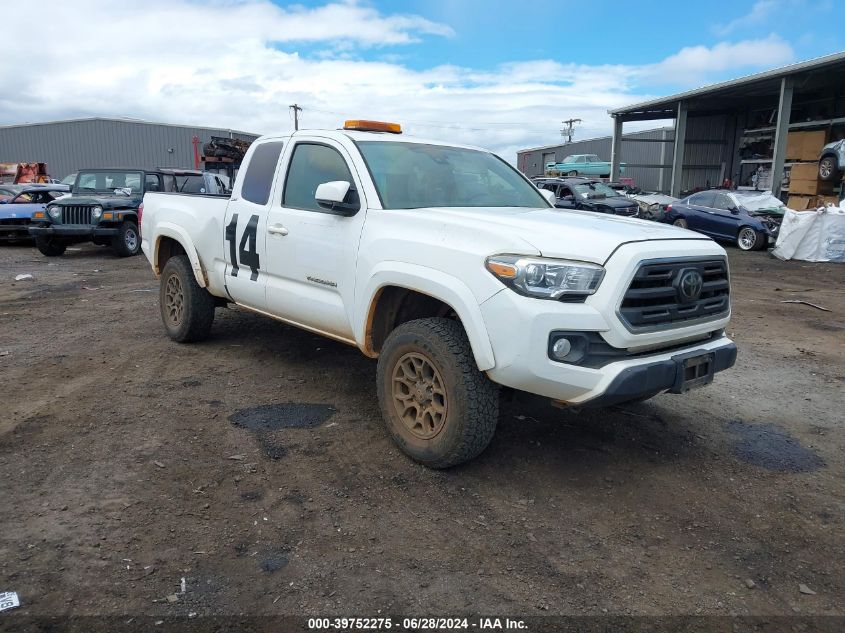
(187, 310)
(127, 242)
(827, 168)
(50, 246)
(749, 239)
(438, 407)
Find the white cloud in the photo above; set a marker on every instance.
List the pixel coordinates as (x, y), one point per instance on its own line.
(221, 64)
(695, 63)
(759, 13)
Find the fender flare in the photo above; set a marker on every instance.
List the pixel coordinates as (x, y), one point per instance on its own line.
(166, 229)
(434, 283)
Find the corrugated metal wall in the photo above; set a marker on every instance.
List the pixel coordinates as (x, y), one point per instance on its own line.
(531, 162)
(67, 146)
(708, 154)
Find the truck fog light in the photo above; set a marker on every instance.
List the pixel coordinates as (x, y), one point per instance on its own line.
(561, 348)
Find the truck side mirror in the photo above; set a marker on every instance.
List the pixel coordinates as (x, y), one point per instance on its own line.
(333, 196)
(549, 196)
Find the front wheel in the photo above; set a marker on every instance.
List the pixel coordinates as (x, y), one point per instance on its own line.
(50, 246)
(748, 239)
(187, 310)
(438, 407)
(127, 242)
(827, 168)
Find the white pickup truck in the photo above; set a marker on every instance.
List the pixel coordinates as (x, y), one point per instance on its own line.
(452, 269)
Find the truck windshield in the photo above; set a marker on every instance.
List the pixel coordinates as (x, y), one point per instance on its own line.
(416, 175)
(102, 181)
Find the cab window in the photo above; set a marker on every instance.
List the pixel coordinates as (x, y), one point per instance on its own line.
(258, 180)
(311, 166)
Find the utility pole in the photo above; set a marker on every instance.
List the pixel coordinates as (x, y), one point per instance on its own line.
(296, 110)
(569, 130)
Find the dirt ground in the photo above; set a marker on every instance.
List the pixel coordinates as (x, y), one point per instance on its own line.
(129, 462)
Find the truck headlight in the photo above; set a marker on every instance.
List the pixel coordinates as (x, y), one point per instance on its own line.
(96, 212)
(55, 211)
(546, 278)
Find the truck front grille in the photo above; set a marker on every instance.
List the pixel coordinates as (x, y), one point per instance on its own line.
(76, 214)
(656, 299)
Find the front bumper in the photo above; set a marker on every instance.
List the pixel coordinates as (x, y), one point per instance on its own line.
(59, 230)
(519, 329)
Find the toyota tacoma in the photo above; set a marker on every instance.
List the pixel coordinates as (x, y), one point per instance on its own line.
(450, 268)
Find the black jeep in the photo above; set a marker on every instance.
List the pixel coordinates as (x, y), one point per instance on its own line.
(102, 208)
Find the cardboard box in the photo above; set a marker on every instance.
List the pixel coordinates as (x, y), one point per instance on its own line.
(810, 187)
(805, 145)
(804, 171)
(804, 203)
(799, 203)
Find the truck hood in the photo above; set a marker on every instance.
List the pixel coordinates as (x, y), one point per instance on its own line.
(104, 200)
(581, 235)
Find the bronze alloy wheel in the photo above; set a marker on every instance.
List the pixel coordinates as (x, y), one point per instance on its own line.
(174, 300)
(419, 395)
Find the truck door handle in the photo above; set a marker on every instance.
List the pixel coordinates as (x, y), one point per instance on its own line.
(277, 229)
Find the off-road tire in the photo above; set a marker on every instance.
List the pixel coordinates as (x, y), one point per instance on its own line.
(472, 399)
(50, 246)
(191, 319)
(743, 239)
(127, 242)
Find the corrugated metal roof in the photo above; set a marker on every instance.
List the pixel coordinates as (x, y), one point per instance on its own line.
(776, 73)
(587, 140)
(128, 120)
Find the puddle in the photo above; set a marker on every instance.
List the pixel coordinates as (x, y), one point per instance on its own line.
(772, 448)
(291, 415)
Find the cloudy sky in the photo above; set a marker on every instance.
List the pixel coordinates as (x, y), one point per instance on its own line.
(498, 74)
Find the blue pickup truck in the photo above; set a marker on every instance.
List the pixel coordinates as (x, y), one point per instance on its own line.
(583, 165)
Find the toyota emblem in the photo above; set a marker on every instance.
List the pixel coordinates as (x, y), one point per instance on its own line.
(690, 285)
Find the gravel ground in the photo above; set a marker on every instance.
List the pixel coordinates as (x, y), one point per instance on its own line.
(255, 466)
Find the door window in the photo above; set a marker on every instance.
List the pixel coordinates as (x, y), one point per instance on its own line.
(258, 179)
(152, 183)
(702, 199)
(723, 202)
(311, 166)
(581, 159)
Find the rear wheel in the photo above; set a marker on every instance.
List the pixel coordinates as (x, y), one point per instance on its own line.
(438, 407)
(50, 246)
(748, 239)
(681, 222)
(187, 310)
(572, 173)
(827, 168)
(127, 242)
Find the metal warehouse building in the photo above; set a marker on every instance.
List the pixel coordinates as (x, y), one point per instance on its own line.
(753, 131)
(67, 146)
(641, 151)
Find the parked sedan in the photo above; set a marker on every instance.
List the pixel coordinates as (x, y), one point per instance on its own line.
(19, 202)
(589, 195)
(750, 219)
